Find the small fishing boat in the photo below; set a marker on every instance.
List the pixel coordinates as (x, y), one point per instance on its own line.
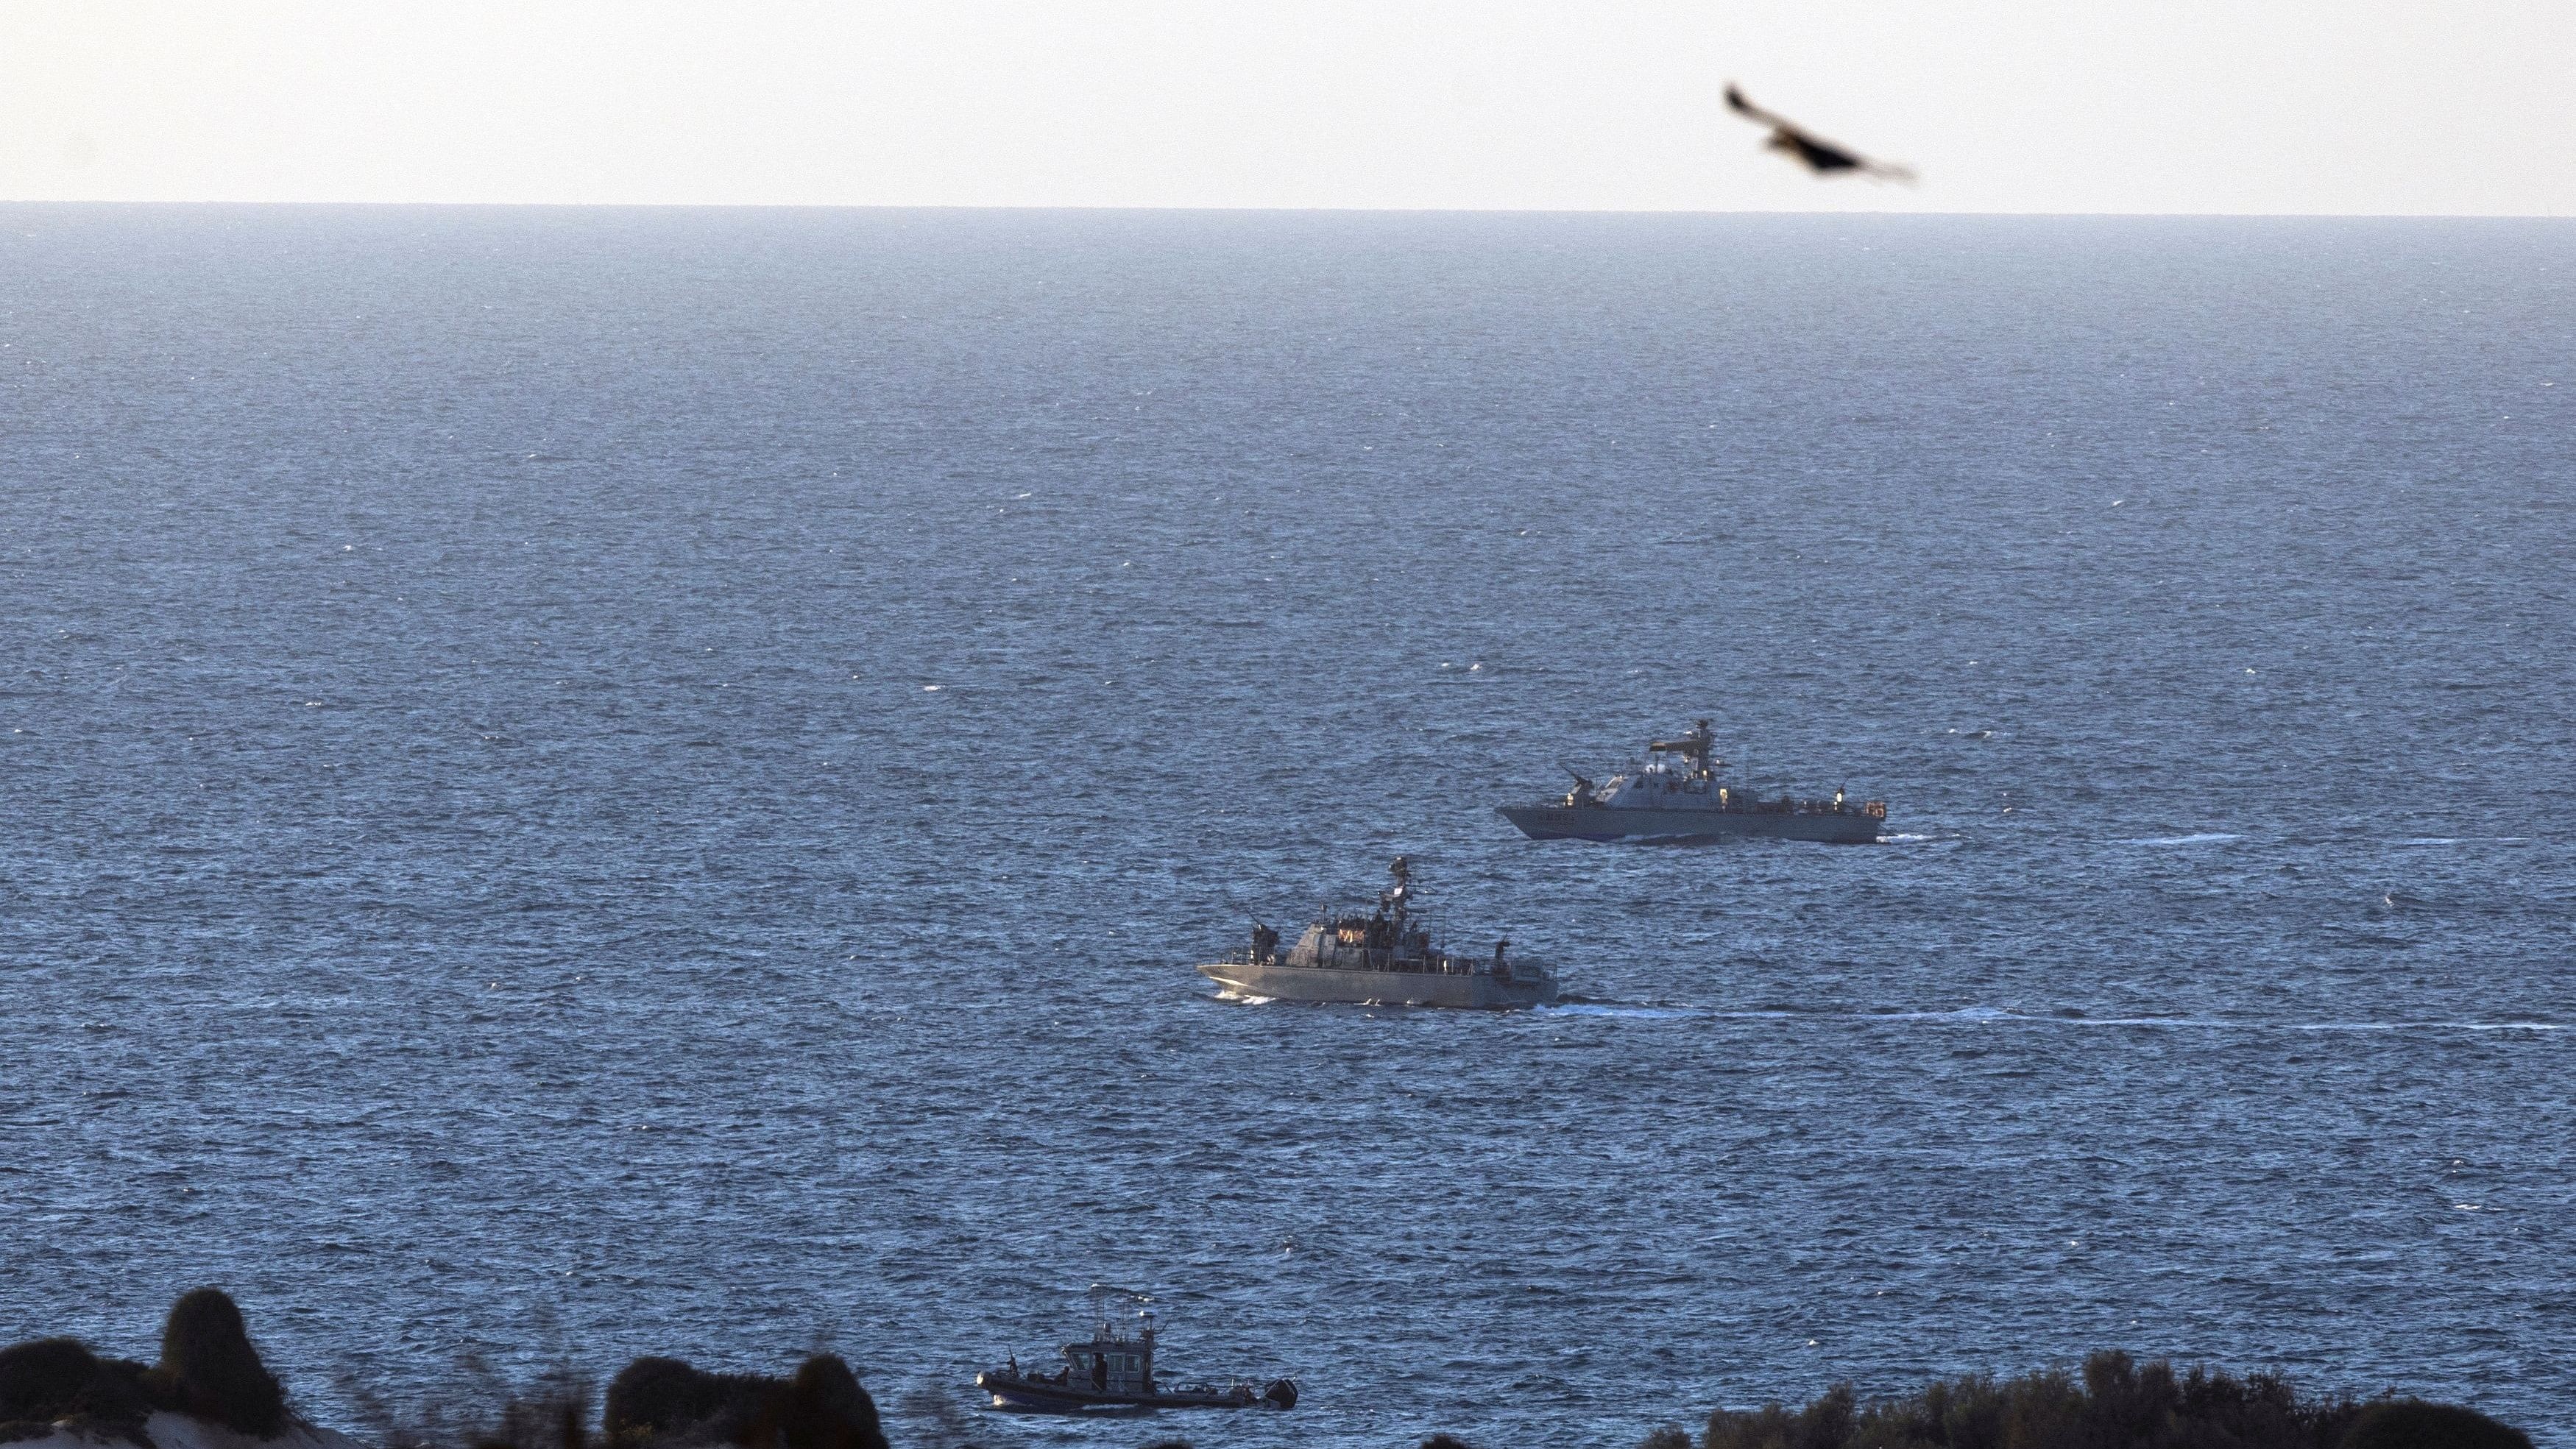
(1112, 1372)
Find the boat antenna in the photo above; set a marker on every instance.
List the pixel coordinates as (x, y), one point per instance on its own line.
(1697, 748)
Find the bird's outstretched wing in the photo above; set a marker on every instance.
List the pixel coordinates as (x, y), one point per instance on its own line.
(1820, 155)
(1736, 102)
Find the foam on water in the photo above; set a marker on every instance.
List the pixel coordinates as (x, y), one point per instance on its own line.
(1613, 1009)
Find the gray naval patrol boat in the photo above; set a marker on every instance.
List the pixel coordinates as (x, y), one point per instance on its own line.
(1112, 1372)
(1675, 796)
(1385, 959)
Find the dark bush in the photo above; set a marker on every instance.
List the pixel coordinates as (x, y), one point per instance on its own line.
(2113, 1404)
(40, 1381)
(658, 1397)
(52, 1380)
(209, 1370)
(1825, 1424)
(2414, 1424)
(553, 1415)
(822, 1407)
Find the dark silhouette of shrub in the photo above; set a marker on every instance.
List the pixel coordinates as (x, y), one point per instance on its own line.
(553, 1415)
(1824, 1424)
(821, 1407)
(58, 1380)
(1669, 1436)
(2113, 1404)
(2414, 1424)
(40, 1381)
(657, 1397)
(1445, 1441)
(209, 1370)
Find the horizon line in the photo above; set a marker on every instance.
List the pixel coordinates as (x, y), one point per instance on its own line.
(1133, 209)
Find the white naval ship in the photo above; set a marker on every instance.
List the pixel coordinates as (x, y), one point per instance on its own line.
(1676, 796)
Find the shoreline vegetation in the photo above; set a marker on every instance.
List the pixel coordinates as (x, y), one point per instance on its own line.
(2112, 1402)
(210, 1389)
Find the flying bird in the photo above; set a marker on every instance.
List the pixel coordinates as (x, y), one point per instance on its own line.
(1821, 156)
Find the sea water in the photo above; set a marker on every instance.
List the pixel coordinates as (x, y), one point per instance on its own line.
(589, 783)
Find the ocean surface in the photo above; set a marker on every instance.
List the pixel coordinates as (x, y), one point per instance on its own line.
(587, 783)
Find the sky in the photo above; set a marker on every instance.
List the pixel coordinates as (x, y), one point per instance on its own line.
(2464, 107)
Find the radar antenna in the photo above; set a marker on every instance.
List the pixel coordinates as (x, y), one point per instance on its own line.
(1396, 895)
(1697, 747)
(1103, 1294)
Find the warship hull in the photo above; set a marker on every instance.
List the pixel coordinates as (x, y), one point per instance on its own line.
(1475, 991)
(1018, 1394)
(1596, 822)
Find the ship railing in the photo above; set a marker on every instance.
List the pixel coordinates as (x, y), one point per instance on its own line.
(1793, 805)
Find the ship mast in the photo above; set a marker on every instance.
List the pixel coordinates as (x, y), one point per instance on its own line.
(1697, 748)
(1395, 898)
